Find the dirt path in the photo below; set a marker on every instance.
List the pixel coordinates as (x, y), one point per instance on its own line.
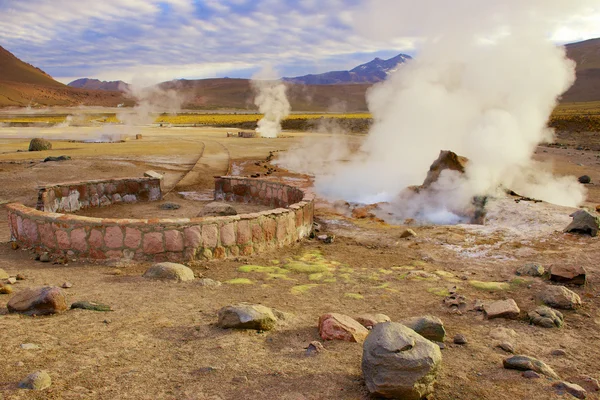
(214, 160)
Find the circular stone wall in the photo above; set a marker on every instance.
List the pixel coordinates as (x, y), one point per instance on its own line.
(171, 239)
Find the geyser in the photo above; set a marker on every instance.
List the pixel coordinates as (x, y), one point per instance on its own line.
(271, 100)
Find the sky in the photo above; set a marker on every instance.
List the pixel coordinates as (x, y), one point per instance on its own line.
(149, 41)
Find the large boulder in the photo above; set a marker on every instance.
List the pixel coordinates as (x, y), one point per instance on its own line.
(370, 320)
(39, 144)
(38, 301)
(39, 380)
(584, 222)
(170, 271)
(333, 326)
(428, 326)
(217, 209)
(571, 274)
(399, 363)
(446, 160)
(502, 309)
(546, 317)
(247, 316)
(560, 297)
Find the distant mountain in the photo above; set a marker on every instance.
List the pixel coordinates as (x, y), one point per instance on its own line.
(14, 70)
(95, 84)
(587, 86)
(371, 72)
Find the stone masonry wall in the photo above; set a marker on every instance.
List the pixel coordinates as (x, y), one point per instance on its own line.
(73, 196)
(173, 239)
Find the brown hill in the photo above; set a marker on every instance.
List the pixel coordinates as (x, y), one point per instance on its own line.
(587, 86)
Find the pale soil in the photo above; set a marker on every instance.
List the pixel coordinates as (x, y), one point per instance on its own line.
(161, 338)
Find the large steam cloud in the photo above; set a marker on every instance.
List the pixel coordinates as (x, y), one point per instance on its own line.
(271, 100)
(483, 85)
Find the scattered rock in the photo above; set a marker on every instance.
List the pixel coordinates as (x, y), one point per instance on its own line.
(30, 346)
(240, 379)
(421, 275)
(247, 316)
(5, 289)
(3, 274)
(560, 297)
(531, 375)
(170, 271)
(531, 269)
(546, 317)
(456, 302)
(570, 274)
(398, 363)
(585, 179)
(428, 326)
(19, 364)
(14, 245)
(217, 209)
(45, 257)
(525, 363)
(11, 280)
(90, 305)
(333, 326)
(447, 160)
(314, 348)
(502, 309)
(59, 158)
(571, 388)
(460, 339)
(20, 277)
(370, 320)
(328, 239)
(169, 206)
(207, 282)
(39, 380)
(66, 285)
(38, 144)
(478, 305)
(38, 301)
(584, 222)
(408, 234)
(153, 174)
(558, 353)
(507, 347)
(587, 382)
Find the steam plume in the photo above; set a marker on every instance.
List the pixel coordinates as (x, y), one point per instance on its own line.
(271, 100)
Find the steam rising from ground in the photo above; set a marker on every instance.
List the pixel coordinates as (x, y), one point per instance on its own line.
(271, 100)
(483, 85)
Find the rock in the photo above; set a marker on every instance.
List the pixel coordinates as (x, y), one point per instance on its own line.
(571, 388)
(370, 320)
(210, 283)
(546, 317)
(247, 316)
(584, 179)
(39, 380)
(170, 271)
(3, 274)
(502, 309)
(460, 339)
(447, 160)
(30, 346)
(66, 285)
(507, 347)
(428, 326)
(408, 234)
(20, 277)
(217, 209)
(456, 302)
(169, 206)
(11, 280)
(5, 289)
(326, 238)
(531, 375)
(558, 353)
(45, 257)
(421, 275)
(333, 326)
(584, 222)
(531, 269)
(587, 382)
(38, 301)
(399, 363)
(19, 364)
(38, 144)
(90, 305)
(59, 158)
(314, 348)
(13, 245)
(560, 297)
(525, 363)
(153, 174)
(570, 274)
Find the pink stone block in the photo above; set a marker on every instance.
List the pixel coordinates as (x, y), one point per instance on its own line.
(281, 228)
(95, 239)
(113, 237)
(173, 240)
(193, 237)
(269, 228)
(47, 235)
(153, 243)
(62, 237)
(133, 238)
(244, 232)
(257, 233)
(30, 230)
(210, 236)
(78, 240)
(228, 234)
(114, 254)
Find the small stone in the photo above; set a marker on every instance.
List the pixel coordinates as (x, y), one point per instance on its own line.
(571, 388)
(217, 209)
(5, 289)
(14, 245)
(19, 364)
(30, 346)
(428, 326)
(570, 274)
(240, 379)
(587, 382)
(333, 326)
(585, 179)
(314, 348)
(153, 174)
(559, 353)
(209, 283)
(326, 238)
(460, 339)
(420, 275)
(66, 285)
(247, 316)
(11, 280)
(170, 271)
(502, 309)
(546, 317)
(370, 320)
(169, 206)
(584, 222)
(525, 363)
(45, 257)
(408, 233)
(38, 301)
(3, 274)
(39, 380)
(20, 277)
(55, 159)
(559, 297)
(531, 269)
(478, 305)
(441, 345)
(507, 346)
(531, 375)
(90, 305)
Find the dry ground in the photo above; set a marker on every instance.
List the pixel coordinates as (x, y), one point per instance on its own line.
(160, 342)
